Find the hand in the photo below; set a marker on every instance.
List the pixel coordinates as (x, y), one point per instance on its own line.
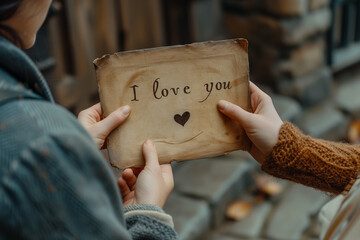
(262, 126)
(151, 185)
(99, 128)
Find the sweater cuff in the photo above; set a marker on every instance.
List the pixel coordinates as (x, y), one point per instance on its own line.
(149, 210)
(290, 137)
(325, 165)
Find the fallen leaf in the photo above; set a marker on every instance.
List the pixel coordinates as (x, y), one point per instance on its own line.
(271, 188)
(238, 210)
(354, 132)
(267, 184)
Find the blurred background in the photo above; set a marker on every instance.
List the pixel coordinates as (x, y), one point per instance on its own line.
(304, 53)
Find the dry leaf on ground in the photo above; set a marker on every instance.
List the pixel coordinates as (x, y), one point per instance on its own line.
(238, 210)
(354, 132)
(267, 184)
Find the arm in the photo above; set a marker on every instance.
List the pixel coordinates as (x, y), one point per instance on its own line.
(61, 187)
(326, 165)
(285, 152)
(55, 183)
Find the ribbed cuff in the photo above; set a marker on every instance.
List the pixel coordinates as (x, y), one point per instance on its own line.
(285, 148)
(149, 210)
(150, 207)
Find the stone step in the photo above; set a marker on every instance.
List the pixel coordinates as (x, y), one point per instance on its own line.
(191, 216)
(325, 122)
(346, 96)
(294, 212)
(310, 89)
(218, 181)
(287, 108)
(251, 226)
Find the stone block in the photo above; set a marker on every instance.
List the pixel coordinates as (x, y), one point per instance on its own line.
(317, 4)
(297, 31)
(191, 217)
(271, 64)
(285, 8)
(347, 97)
(287, 108)
(310, 89)
(251, 226)
(324, 121)
(293, 213)
(217, 181)
(304, 59)
(289, 32)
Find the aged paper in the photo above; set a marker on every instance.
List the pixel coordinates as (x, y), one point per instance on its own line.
(173, 93)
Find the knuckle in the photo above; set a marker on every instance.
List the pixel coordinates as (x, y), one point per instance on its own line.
(81, 114)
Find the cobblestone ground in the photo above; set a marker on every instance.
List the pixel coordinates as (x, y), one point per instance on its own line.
(204, 189)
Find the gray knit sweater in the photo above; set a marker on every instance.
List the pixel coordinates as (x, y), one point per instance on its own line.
(54, 183)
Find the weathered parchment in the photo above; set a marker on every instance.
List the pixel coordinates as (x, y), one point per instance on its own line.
(173, 93)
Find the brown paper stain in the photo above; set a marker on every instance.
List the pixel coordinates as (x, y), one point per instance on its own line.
(243, 44)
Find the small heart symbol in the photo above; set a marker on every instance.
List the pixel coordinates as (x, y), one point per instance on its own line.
(182, 119)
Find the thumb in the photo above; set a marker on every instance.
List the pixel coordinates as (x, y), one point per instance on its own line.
(112, 121)
(150, 155)
(234, 112)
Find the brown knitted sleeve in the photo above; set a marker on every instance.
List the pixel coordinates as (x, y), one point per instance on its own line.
(325, 165)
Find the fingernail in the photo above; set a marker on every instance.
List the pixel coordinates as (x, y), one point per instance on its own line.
(222, 105)
(149, 142)
(125, 110)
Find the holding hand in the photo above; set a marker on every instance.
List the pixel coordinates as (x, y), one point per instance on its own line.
(150, 185)
(262, 126)
(99, 128)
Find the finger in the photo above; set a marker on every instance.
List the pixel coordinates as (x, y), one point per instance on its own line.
(112, 121)
(91, 114)
(254, 88)
(130, 178)
(234, 112)
(150, 155)
(124, 188)
(97, 108)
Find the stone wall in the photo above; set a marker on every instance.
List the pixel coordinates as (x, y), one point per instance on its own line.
(287, 50)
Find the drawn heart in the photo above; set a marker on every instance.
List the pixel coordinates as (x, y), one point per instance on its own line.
(182, 119)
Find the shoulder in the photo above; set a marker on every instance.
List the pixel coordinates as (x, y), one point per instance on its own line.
(60, 177)
(24, 121)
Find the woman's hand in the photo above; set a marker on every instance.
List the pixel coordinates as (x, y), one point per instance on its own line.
(99, 128)
(262, 126)
(150, 185)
